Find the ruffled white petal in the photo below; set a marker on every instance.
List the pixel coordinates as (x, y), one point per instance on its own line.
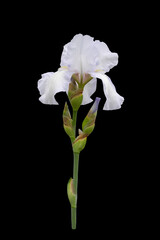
(106, 59)
(52, 83)
(89, 89)
(82, 54)
(114, 100)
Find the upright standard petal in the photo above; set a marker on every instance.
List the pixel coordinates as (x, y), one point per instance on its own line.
(52, 83)
(82, 55)
(114, 100)
(75, 54)
(71, 54)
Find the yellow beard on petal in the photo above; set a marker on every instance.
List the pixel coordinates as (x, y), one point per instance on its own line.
(65, 67)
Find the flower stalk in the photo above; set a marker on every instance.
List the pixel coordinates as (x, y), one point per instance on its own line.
(78, 144)
(75, 185)
(75, 174)
(75, 97)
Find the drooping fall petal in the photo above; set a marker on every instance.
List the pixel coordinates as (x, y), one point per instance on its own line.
(88, 90)
(114, 100)
(52, 83)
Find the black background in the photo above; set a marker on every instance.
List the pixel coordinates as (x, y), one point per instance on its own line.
(111, 169)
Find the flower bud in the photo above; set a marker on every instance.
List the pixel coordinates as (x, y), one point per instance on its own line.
(75, 95)
(67, 122)
(80, 142)
(71, 195)
(89, 121)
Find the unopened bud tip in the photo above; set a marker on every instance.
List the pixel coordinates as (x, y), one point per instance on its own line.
(95, 105)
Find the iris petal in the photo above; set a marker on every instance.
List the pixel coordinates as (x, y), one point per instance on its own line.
(114, 100)
(52, 83)
(89, 89)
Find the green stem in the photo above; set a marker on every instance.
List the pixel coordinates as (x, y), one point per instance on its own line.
(75, 182)
(73, 217)
(74, 122)
(75, 172)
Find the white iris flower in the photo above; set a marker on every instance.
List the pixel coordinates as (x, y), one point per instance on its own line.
(82, 57)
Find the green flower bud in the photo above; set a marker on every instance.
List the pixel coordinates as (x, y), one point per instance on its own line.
(71, 195)
(79, 143)
(67, 122)
(75, 95)
(89, 121)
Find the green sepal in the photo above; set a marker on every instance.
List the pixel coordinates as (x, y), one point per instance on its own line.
(75, 95)
(89, 121)
(67, 122)
(71, 195)
(89, 124)
(76, 101)
(69, 132)
(89, 129)
(79, 143)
